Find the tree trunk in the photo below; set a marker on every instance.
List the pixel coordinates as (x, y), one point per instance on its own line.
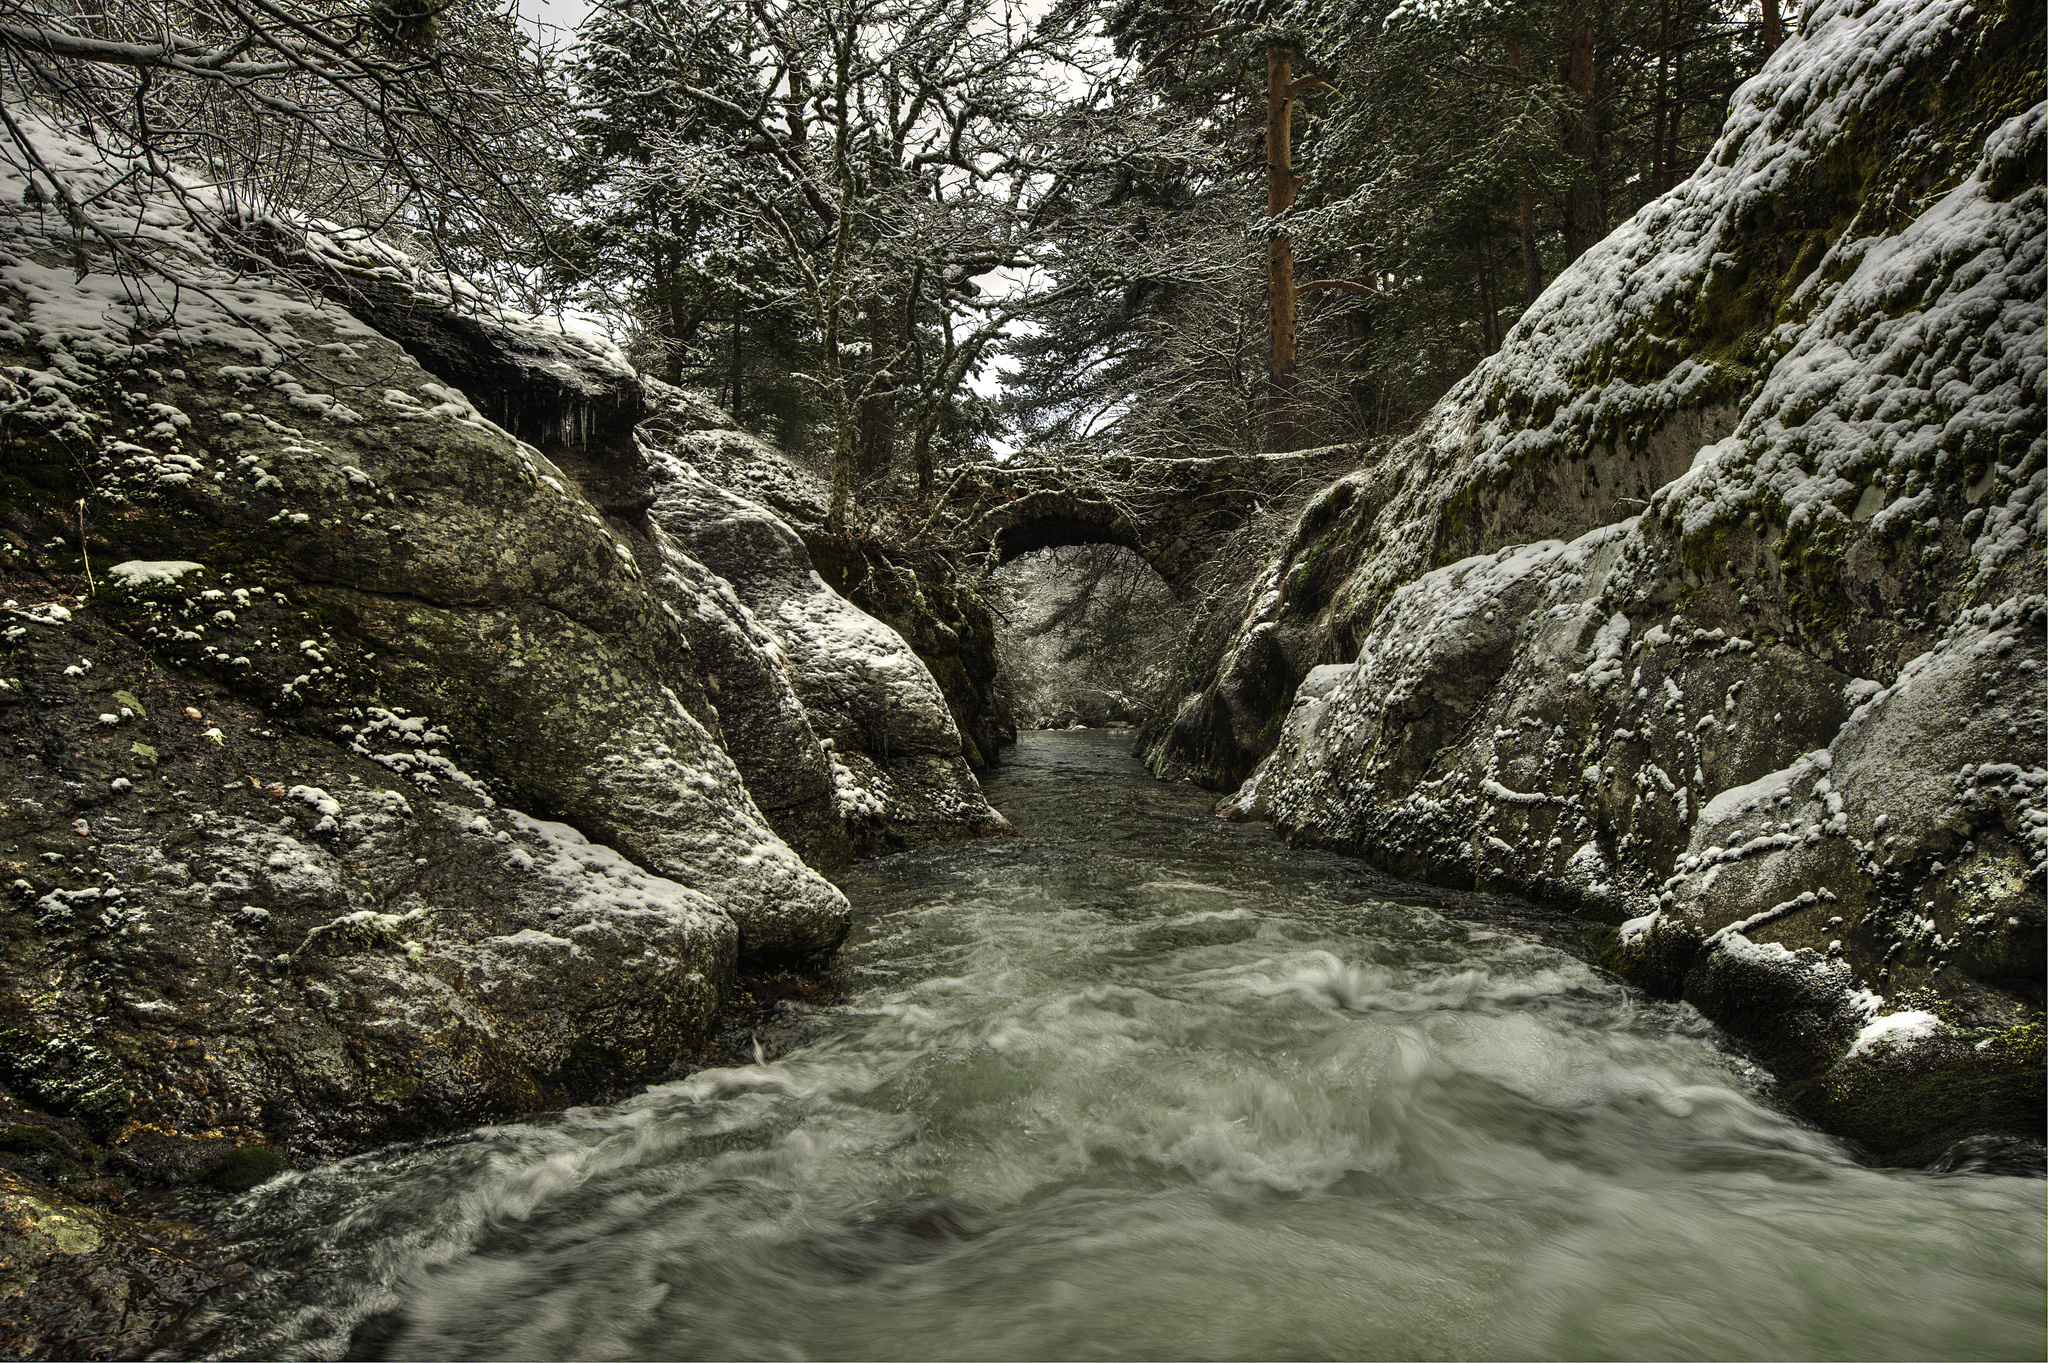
(1602, 114)
(845, 432)
(1357, 335)
(878, 403)
(735, 408)
(1658, 169)
(1489, 302)
(1582, 218)
(1525, 208)
(1677, 119)
(1280, 187)
(1532, 264)
(739, 242)
(1774, 27)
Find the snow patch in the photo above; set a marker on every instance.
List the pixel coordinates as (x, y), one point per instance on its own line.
(1894, 1030)
(149, 573)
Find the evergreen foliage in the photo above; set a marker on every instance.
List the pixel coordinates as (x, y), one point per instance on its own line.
(1468, 153)
(1477, 149)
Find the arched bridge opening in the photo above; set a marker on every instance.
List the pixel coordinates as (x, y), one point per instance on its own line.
(1173, 513)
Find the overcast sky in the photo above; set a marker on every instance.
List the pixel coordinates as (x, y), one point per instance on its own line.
(563, 14)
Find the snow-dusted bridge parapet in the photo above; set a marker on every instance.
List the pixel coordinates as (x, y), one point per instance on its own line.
(1172, 512)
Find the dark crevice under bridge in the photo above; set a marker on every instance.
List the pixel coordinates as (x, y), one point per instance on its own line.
(1173, 513)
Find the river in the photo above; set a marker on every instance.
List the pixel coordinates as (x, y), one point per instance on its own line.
(1143, 1083)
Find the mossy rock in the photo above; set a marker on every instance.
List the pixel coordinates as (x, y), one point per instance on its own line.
(1910, 1105)
(1790, 1010)
(205, 1161)
(244, 1167)
(1655, 961)
(43, 1149)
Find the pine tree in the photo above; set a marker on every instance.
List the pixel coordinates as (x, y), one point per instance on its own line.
(1470, 151)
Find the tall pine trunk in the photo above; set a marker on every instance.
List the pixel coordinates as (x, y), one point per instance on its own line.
(1658, 169)
(1583, 224)
(1676, 121)
(832, 300)
(737, 353)
(738, 330)
(1280, 297)
(1525, 207)
(1489, 300)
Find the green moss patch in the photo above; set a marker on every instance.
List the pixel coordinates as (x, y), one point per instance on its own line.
(1908, 1106)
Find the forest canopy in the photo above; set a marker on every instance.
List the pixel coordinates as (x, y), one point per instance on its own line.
(889, 232)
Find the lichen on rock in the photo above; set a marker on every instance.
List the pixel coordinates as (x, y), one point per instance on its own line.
(373, 763)
(1767, 686)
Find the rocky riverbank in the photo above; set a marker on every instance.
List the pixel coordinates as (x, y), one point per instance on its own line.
(391, 740)
(1712, 602)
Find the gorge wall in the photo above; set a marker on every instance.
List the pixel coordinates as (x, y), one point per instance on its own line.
(1713, 602)
(392, 736)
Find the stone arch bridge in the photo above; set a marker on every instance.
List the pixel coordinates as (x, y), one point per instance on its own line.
(1174, 513)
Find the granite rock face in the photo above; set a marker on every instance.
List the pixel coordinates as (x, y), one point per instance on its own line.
(368, 769)
(893, 760)
(1714, 601)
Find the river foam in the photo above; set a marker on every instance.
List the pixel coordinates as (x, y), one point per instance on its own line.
(1144, 1084)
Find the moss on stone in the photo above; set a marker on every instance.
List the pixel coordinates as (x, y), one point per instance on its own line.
(2023, 1045)
(245, 1166)
(1655, 962)
(41, 1147)
(1317, 574)
(590, 1068)
(393, 1088)
(1909, 1105)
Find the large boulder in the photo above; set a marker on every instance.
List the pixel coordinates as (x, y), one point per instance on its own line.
(891, 749)
(358, 780)
(936, 605)
(1713, 602)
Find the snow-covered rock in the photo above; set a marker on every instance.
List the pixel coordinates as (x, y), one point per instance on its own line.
(895, 758)
(1713, 601)
(382, 776)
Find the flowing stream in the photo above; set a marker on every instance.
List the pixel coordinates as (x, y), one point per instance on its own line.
(1147, 1084)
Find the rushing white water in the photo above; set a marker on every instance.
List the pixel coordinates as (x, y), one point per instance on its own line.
(1144, 1084)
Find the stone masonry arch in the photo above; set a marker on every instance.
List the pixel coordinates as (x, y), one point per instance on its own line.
(1173, 513)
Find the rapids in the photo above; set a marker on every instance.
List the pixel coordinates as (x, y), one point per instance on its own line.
(1143, 1083)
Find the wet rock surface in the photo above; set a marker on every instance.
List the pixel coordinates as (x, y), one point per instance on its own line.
(80, 1282)
(244, 932)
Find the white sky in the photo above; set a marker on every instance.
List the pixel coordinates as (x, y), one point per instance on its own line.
(562, 14)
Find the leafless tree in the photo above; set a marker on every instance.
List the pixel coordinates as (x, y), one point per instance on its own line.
(426, 121)
(921, 167)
